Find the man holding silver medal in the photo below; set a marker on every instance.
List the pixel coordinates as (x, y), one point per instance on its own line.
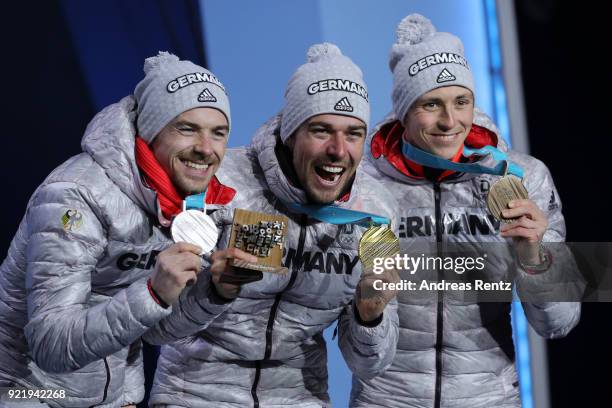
(267, 347)
(441, 158)
(92, 266)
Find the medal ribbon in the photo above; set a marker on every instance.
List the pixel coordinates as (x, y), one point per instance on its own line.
(502, 166)
(335, 215)
(195, 202)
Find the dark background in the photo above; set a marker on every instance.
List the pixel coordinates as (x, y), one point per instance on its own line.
(46, 105)
(564, 47)
(46, 101)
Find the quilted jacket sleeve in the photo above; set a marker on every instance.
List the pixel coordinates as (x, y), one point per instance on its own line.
(551, 319)
(368, 351)
(194, 311)
(66, 239)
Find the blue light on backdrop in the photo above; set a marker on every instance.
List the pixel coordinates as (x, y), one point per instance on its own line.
(256, 46)
(500, 114)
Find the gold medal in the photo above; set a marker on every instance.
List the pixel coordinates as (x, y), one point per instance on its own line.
(377, 242)
(504, 190)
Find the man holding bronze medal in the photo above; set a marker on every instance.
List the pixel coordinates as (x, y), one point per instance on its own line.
(300, 198)
(441, 158)
(92, 266)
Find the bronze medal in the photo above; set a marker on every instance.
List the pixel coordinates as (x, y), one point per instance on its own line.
(503, 191)
(377, 242)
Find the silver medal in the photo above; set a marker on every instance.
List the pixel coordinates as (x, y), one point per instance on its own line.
(195, 227)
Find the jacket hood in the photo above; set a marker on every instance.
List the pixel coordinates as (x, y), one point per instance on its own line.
(110, 140)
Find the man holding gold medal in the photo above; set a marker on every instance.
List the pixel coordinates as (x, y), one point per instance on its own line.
(447, 163)
(93, 266)
(300, 197)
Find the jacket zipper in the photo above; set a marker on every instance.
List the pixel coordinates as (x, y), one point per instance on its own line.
(440, 302)
(108, 379)
(270, 326)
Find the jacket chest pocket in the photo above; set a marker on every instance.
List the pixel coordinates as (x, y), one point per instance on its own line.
(329, 281)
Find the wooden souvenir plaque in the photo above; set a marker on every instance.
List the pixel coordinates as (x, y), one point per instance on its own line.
(262, 235)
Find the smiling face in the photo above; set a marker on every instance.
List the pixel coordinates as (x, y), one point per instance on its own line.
(440, 120)
(326, 150)
(191, 147)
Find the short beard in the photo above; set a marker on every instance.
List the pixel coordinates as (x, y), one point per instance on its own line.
(345, 189)
(186, 192)
(284, 155)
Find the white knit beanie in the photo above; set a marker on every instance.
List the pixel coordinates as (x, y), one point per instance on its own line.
(422, 60)
(328, 83)
(171, 87)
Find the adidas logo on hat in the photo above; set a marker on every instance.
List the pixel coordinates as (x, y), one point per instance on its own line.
(343, 105)
(206, 96)
(445, 76)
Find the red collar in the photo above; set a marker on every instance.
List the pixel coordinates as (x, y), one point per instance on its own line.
(218, 193)
(388, 142)
(345, 197)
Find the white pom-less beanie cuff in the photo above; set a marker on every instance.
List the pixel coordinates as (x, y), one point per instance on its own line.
(329, 83)
(423, 60)
(171, 87)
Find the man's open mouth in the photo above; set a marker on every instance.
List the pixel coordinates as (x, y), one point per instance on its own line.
(329, 173)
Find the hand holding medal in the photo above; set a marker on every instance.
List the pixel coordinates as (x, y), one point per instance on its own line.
(175, 268)
(527, 229)
(508, 200)
(376, 242)
(196, 227)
